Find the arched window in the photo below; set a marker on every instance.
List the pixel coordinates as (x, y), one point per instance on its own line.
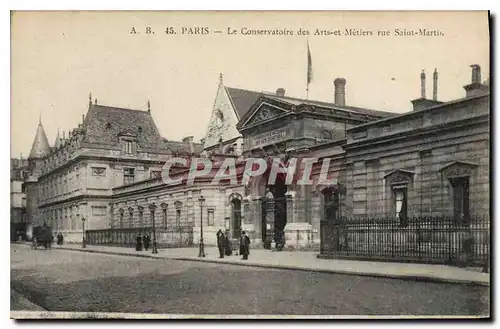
(121, 211)
(178, 213)
(164, 208)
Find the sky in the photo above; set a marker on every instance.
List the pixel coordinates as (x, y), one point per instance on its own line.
(58, 58)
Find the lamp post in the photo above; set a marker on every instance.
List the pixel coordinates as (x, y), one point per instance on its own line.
(152, 207)
(83, 233)
(201, 252)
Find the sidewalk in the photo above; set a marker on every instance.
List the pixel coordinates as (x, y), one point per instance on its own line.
(306, 261)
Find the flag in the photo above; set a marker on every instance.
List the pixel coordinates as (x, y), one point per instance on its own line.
(309, 65)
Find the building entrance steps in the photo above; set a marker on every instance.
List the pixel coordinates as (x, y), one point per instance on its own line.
(305, 261)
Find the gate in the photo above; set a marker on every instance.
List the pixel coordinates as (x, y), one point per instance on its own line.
(331, 231)
(267, 221)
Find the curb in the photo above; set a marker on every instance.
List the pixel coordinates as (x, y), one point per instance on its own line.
(422, 278)
(113, 253)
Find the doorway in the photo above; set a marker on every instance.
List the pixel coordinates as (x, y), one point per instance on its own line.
(236, 218)
(274, 211)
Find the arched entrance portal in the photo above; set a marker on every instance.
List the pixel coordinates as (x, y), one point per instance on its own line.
(274, 211)
(236, 218)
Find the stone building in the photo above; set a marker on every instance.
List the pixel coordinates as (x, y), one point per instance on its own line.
(72, 182)
(432, 161)
(18, 173)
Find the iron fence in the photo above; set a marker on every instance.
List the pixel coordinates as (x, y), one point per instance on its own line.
(179, 236)
(441, 240)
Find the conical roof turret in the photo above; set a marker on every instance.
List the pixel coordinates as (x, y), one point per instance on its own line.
(57, 143)
(40, 148)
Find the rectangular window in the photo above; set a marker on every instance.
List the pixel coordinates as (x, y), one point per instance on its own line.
(461, 211)
(210, 218)
(128, 175)
(178, 217)
(164, 218)
(98, 210)
(401, 205)
(128, 147)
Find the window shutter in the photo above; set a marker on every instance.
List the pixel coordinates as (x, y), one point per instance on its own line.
(134, 148)
(123, 146)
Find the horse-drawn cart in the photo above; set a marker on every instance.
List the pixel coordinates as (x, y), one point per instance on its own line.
(42, 236)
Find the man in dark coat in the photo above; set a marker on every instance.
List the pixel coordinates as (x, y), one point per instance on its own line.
(221, 240)
(244, 245)
(138, 244)
(228, 245)
(147, 241)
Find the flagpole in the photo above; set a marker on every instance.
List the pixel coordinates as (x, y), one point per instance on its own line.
(307, 75)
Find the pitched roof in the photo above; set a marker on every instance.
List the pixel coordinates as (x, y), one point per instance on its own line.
(183, 147)
(244, 99)
(40, 147)
(104, 124)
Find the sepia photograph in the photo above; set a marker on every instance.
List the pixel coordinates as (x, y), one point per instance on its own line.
(250, 165)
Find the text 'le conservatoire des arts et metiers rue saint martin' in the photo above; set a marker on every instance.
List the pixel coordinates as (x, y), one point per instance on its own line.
(337, 32)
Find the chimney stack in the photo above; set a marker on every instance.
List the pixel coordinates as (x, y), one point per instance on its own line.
(280, 92)
(339, 84)
(189, 140)
(476, 73)
(422, 84)
(476, 87)
(435, 85)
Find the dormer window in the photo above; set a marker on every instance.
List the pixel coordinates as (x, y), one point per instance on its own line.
(128, 141)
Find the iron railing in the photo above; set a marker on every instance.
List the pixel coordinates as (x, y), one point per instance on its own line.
(179, 236)
(441, 240)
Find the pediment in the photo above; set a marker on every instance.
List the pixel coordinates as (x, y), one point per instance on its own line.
(458, 169)
(263, 111)
(399, 176)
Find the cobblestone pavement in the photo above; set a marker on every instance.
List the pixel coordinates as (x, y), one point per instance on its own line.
(60, 280)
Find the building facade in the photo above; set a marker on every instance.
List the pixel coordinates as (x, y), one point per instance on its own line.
(18, 173)
(367, 164)
(71, 183)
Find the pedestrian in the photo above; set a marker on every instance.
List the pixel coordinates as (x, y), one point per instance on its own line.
(146, 240)
(228, 245)
(221, 240)
(244, 245)
(60, 238)
(241, 245)
(138, 244)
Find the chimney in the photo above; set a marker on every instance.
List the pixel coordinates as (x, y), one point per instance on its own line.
(339, 84)
(422, 84)
(280, 92)
(476, 73)
(187, 139)
(423, 103)
(435, 85)
(476, 88)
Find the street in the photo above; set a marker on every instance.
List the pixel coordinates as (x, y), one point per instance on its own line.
(60, 280)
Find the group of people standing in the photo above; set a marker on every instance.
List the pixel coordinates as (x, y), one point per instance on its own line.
(142, 241)
(225, 247)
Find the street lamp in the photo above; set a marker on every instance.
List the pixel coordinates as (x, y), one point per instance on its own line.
(83, 233)
(152, 208)
(201, 253)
